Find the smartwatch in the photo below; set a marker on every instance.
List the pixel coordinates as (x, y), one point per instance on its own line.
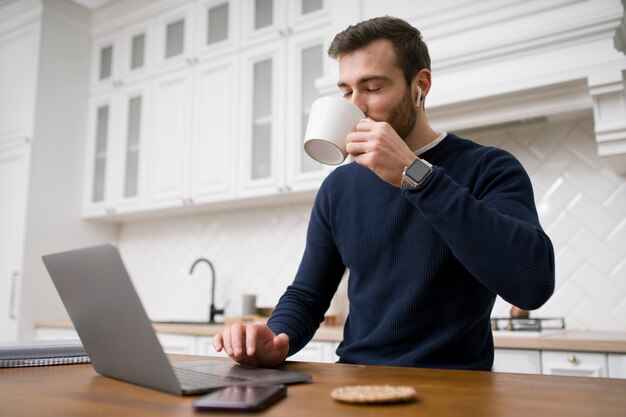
(415, 174)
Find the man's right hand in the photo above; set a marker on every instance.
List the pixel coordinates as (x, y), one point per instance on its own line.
(254, 344)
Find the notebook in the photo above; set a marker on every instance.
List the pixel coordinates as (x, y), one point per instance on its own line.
(115, 330)
(42, 353)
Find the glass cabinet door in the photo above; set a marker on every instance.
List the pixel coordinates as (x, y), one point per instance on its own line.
(307, 54)
(174, 38)
(261, 161)
(131, 169)
(263, 14)
(136, 59)
(105, 62)
(263, 86)
(217, 23)
(311, 6)
(100, 155)
(216, 27)
(311, 69)
(105, 67)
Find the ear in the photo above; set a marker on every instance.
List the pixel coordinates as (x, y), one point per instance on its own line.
(421, 86)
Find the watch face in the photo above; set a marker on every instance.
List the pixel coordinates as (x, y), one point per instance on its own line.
(418, 171)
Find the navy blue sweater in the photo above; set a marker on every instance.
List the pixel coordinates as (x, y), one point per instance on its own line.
(425, 264)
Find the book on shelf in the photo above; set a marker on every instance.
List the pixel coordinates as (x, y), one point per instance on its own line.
(42, 353)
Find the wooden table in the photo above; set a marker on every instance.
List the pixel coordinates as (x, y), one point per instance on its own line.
(77, 390)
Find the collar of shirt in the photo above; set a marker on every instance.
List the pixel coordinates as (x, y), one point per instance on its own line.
(432, 144)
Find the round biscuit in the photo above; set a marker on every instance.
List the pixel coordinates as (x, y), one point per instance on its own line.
(373, 394)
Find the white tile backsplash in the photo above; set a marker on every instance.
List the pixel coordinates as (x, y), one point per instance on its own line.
(581, 204)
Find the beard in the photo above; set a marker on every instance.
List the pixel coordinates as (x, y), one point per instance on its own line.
(403, 117)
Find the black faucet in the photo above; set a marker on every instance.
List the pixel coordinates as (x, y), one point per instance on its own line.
(212, 310)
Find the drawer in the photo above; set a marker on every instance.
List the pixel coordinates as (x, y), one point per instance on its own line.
(574, 363)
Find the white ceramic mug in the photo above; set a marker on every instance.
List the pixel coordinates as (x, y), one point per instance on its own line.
(330, 121)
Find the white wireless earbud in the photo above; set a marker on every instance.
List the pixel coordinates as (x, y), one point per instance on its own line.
(419, 97)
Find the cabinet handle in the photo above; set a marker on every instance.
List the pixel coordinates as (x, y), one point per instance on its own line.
(12, 314)
(572, 358)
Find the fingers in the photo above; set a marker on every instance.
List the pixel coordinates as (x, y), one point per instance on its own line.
(218, 342)
(252, 333)
(238, 341)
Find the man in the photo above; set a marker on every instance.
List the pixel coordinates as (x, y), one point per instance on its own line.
(431, 226)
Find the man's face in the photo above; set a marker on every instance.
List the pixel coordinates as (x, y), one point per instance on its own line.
(371, 80)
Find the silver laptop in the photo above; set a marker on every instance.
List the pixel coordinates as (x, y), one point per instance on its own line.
(114, 328)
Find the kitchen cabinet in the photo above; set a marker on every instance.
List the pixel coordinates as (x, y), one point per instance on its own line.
(216, 26)
(174, 29)
(193, 140)
(316, 351)
(278, 90)
(14, 164)
(122, 56)
(517, 360)
(204, 346)
(617, 365)
(51, 333)
(574, 363)
(176, 343)
(116, 157)
(271, 20)
(226, 117)
(19, 46)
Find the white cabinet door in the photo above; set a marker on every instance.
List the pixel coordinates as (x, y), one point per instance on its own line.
(574, 363)
(214, 143)
(317, 352)
(262, 122)
(130, 148)
(204, 346)
(267, 20)
(53, 333)
(115, 152)
(176, 343)
(170, 140)
(105, 61)
(18, 71)
(617, 365)
(306, 55)
(14, 163)
(216, 28)
(517, 361)
(122, 56)
(174, 29)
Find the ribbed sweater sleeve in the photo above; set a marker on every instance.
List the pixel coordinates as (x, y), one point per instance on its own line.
(494, 233)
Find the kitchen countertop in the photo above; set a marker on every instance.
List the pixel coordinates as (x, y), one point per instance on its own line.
(611, 342)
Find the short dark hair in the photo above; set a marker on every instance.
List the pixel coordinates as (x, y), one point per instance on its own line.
(411, 51)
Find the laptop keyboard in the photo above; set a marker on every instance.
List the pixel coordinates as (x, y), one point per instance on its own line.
(190, 378)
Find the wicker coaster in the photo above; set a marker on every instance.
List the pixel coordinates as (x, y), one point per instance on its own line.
(373, 394)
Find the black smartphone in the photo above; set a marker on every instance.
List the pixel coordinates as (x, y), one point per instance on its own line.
(241, 398)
